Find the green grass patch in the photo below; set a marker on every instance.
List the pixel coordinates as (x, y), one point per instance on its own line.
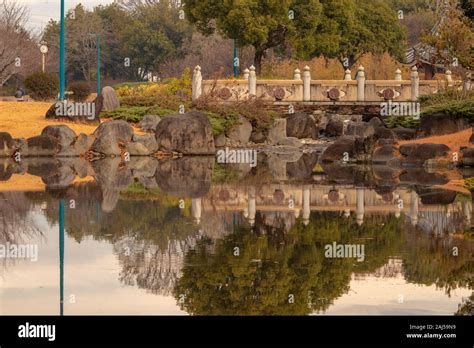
(469, 183)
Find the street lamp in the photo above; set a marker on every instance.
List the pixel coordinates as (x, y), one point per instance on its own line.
(62, 55)
(43, 50)
(98, 61)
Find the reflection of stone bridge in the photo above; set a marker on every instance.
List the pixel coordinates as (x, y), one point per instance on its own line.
(301, 200)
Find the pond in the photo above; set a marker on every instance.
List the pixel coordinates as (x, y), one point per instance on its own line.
(290, 236)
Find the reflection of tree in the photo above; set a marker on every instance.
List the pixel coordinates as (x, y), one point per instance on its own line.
(273, 268)
(432, 260)
(466, 307)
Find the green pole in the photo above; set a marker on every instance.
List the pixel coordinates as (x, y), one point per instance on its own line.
(98, 64)
(61, 55)
(61, 257)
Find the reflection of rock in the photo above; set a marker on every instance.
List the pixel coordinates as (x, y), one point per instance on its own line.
(6, 170)
(6, 144)
(417, 154)
(421, 176)
(189, 133)
(302, 168)
(185, 177)
(112, 178)
(436, 196)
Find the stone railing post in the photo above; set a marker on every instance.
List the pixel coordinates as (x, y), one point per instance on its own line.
(415, 83)
(398, 75)
(347, 75)
(306, 84)
(297, 74)
(360, 84)
(252, 82)
(449, 78)
(246, 74)
(197, 83)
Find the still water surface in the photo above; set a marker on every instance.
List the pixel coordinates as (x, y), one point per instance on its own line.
(193, 237)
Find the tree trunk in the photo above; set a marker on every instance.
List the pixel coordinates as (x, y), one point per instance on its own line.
(257, 60)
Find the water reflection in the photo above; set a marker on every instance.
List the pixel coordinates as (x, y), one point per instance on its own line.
(236, 240)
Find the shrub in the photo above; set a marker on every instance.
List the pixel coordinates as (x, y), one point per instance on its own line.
(80, 90)
(42, 86)
(454, 108)
(402, 121)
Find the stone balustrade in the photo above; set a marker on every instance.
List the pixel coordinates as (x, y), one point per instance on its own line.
(304, 89)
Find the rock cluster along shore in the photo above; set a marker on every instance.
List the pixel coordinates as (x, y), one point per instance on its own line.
(188, 134)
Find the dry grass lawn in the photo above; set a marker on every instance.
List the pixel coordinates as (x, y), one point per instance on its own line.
(26, 119)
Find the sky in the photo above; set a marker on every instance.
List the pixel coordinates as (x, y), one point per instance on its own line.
(42, 10)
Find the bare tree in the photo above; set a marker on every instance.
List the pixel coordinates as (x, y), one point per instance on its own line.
(15, 40)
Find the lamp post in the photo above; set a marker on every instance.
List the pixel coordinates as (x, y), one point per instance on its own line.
(98, 61)
(236, 62)
(43, 50)
(62, 55)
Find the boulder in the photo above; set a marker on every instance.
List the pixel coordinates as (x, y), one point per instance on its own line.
(302, 168)
(407, 149)
(385, 154)
(257, 137)
(423, 152)
(301, 125)
(65, 137)
(111, 136)
(402, 133)
(137, 149)
(277, 131)
(149, 141)
(467, 156)
(240, 132)
(43, 145)
(83, 143)
(441, 123)
(189, 134)
(82, 114)
(290, 141)
(110, 101)
(149, 123)
(376, 122)
(6, 145)
(471, 139)
(342, 148)
(334, 127)
(221, 140)
(360, 129)
(381, 132)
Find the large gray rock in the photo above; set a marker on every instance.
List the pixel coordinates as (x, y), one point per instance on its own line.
(110, 101)
(381, 132)
(43, 145)
(149, 123)
(301, 125)
(342, 148)
(277, 131)
(422, 152)
(221, 140)
(467, 156)
(189, 134)
(149, 141)
(241, 131)
(440, 123)
(334, 127)
(83, 143)
(6, 144)
(360, 129)
(65, 137)
(137, 149)
(290, 141)
(110, 137)
(402, 133)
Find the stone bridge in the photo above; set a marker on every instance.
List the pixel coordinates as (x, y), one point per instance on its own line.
(302, 90)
